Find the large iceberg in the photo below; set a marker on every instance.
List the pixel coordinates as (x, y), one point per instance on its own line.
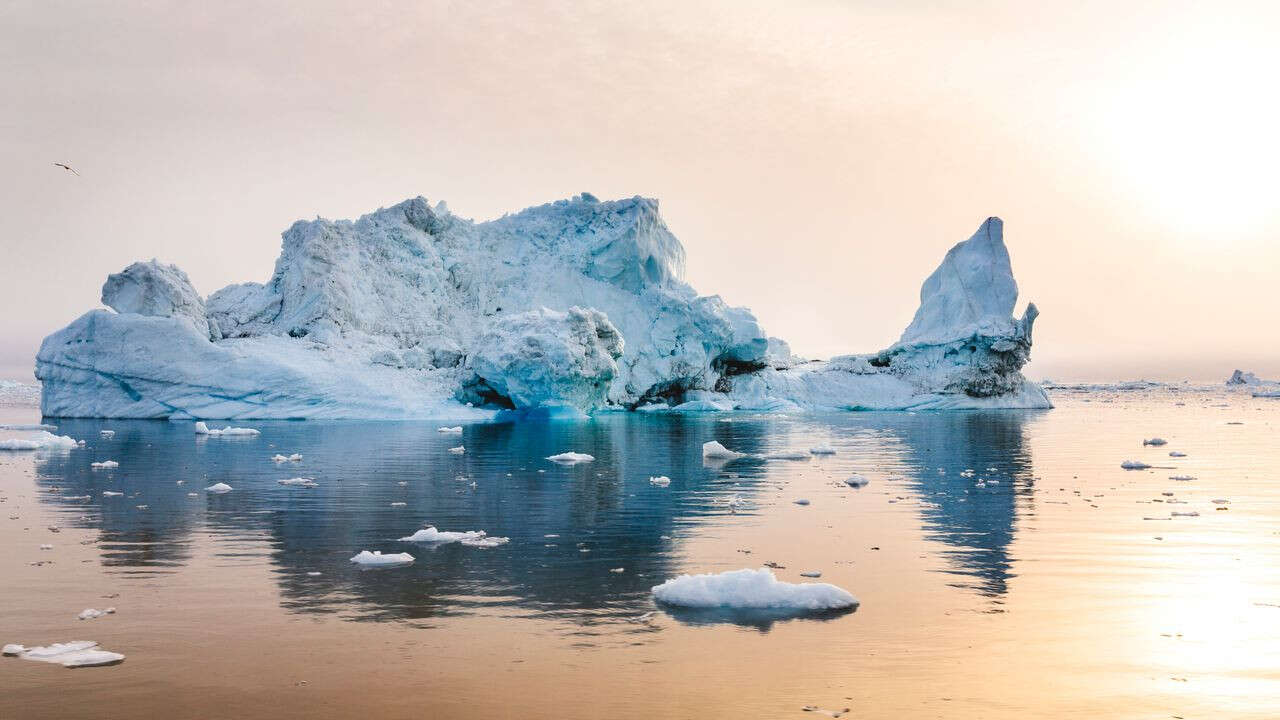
(413, 312)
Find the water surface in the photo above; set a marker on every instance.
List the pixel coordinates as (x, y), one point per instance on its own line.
(1059, 587)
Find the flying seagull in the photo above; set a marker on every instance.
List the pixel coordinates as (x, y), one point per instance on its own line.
(68, 168)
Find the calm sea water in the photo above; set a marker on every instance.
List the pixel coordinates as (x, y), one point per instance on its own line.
(1060, 587)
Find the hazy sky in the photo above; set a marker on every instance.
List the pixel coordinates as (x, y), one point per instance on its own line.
(816, 158)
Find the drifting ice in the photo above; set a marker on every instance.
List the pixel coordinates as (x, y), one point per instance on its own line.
(42, 440)
(753, 590)
(77, 653)
(473, 538)
(579, 305)
(202, 429)
(219, 488)
(571, 458)
(376, 559)
(715, 451)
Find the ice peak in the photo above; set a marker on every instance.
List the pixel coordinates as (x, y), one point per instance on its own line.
(973, 290)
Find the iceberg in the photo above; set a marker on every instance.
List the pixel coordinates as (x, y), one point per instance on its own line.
(577, 305)
(41, 440)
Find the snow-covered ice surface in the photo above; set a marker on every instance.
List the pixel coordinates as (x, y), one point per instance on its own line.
(40, 440)
(749, 589)
(570, 458)
(413, 312)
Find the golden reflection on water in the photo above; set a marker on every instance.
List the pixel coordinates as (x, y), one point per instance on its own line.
(1047, 595)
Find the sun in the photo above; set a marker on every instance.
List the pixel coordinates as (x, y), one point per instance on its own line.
(1191, 133)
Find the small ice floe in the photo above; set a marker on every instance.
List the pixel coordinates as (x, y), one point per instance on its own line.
(376, 559)
(1189, 513)
(470, 538)
(142, 507)
(856, 481)
(660, 481)
(193, 495)
(1134, 465)
(646, 617)
(800, 501)
(811, 574)
(571, 458)
(202, 429)
(104, 465)
(313, 573)
(46, 546)
(1157, 441)
(824, 711)
(715, 451)
(751, 590)
(617, 570)
(457, 450)
(74, 654)
(296, 457)
(1182, 478)
(397, 504)
(1175, 453)
(299, 482)
(111, 493)
(457, 430)
(107, 434)
(822, 450)
(218, 488)
(43, 440)
(91, 614)
(75, 497)
(786, 455)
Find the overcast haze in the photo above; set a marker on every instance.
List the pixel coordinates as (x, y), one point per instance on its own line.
(815, 158)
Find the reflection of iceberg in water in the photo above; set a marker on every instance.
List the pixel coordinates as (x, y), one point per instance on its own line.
(569, 526)
(978, 526)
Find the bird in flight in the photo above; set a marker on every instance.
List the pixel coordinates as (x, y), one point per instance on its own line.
(68, 168)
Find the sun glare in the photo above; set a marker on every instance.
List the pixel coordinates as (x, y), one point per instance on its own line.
(1191, 135)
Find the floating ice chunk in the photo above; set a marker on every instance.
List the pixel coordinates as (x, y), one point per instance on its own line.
(473, 538)
(78, 653)
(458, 450)
(397, 504)
(299, 482)
(219, 488)
(46, 546)
(1182, 478)
(800, 501)
(296, 457)
(1190, 513)
(856, 481)
(108, 434)
(786, 455)
(104, 465)
(1175, 453)
(202, 429)
(751, 589)
(617, 570)
(376, 559)
(715, 451)
(571, 458)
(812, 574)
(660, 481)
(457, 430)
(91, 614)
(111, 493)
(1157, 441)
(824, 711)
(823, 450)
(1134, 465)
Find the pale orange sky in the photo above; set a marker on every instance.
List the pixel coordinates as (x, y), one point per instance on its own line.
(816, 158)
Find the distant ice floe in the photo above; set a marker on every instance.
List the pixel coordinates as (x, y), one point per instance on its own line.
(1134, 465)
(296, 457)
(1157, 441)
(202, 429)
(92, 614)
(107, 434)
(571, 458)
(299, 482)
(42, 440)
(822, 450)
(1175, 453)
(455, 430)
(715, 451)
(786, 455)
(111, 493)
(74, 654)
(457, 450)
(104, 465)
(856, 481)
(751, 589)
(376, 559)
(660, 481)
(470, 538)
(218, 488)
